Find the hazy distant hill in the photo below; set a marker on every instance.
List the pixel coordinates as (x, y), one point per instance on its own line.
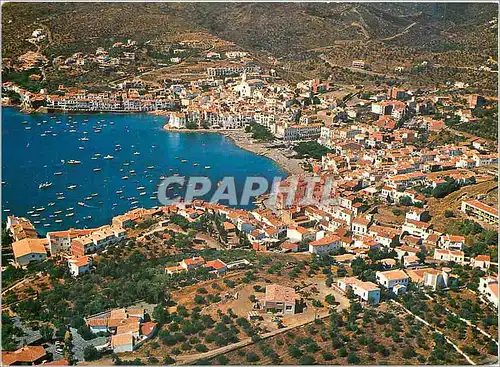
(309, 39)
(280, 28)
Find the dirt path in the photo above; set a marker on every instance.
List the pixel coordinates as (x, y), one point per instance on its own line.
(432, 327)
(400, 33)
(189, 359)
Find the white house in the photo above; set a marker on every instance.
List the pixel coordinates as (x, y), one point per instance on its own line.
(360, 226)
(436, 279)
(367, 291)
(416, 228)
(391, 278)
(177, 120)
(122, 343)
(482, 262)
(79, 265)
(488, 287)
(449, 255)
(325, 245)
(452, 242)
(29, 250)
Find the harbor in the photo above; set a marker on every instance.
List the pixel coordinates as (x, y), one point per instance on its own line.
(58, 185)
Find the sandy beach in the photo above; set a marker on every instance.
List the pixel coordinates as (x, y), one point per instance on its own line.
(244, 141)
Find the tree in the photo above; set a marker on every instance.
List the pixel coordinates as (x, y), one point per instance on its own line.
(330, 299)
(90, 353)
(449, 213)
(86, 333)
(307, 360)
(252, 357)
(46, 332)
(160, 314)
(168, 360)
(352, 358)
(405, 200)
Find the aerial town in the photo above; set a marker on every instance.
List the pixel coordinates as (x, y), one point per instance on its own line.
(399, 266)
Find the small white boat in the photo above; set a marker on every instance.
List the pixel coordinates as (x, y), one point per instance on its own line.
(88, 217)
(84, 138)
(81, 203)
(125, 178)
(28, 127)
(142, 193)
(71, 187)
(137, 153)
(207, 167)
(58, 221)
(57, 173)
(108, 157)
(97, 169)
(46, 225)
(45, 185)
(94, 194)
(40, 209)
(50, 204)
(70, 209)
(119, 192)
(141, 188)
(70, 214)
(60, 198)
(74, 161)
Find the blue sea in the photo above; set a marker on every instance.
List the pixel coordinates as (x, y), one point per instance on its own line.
(37, 146)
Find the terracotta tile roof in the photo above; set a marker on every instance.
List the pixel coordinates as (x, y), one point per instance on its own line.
(325, 240)
(97, 322)
(482, 258)
(61, 362)
(27, 354)
(481, 206)
(194, 261)
(148, 327)
(394, 274)
(121, 322)
(122, 339)
(129, 327)
(29, 246)
(278, 293)
(216, 264)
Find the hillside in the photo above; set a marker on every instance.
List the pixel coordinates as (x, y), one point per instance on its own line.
(385, 34)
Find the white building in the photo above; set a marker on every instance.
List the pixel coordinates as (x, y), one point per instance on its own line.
(367, 291)
(29, 250)
(177, 120)
(452, 242)
(79, 265)
(488, 287)
(325, 245)
(391, 278)
(449, 255)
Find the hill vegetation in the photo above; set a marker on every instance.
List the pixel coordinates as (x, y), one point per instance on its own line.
(385, 34)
